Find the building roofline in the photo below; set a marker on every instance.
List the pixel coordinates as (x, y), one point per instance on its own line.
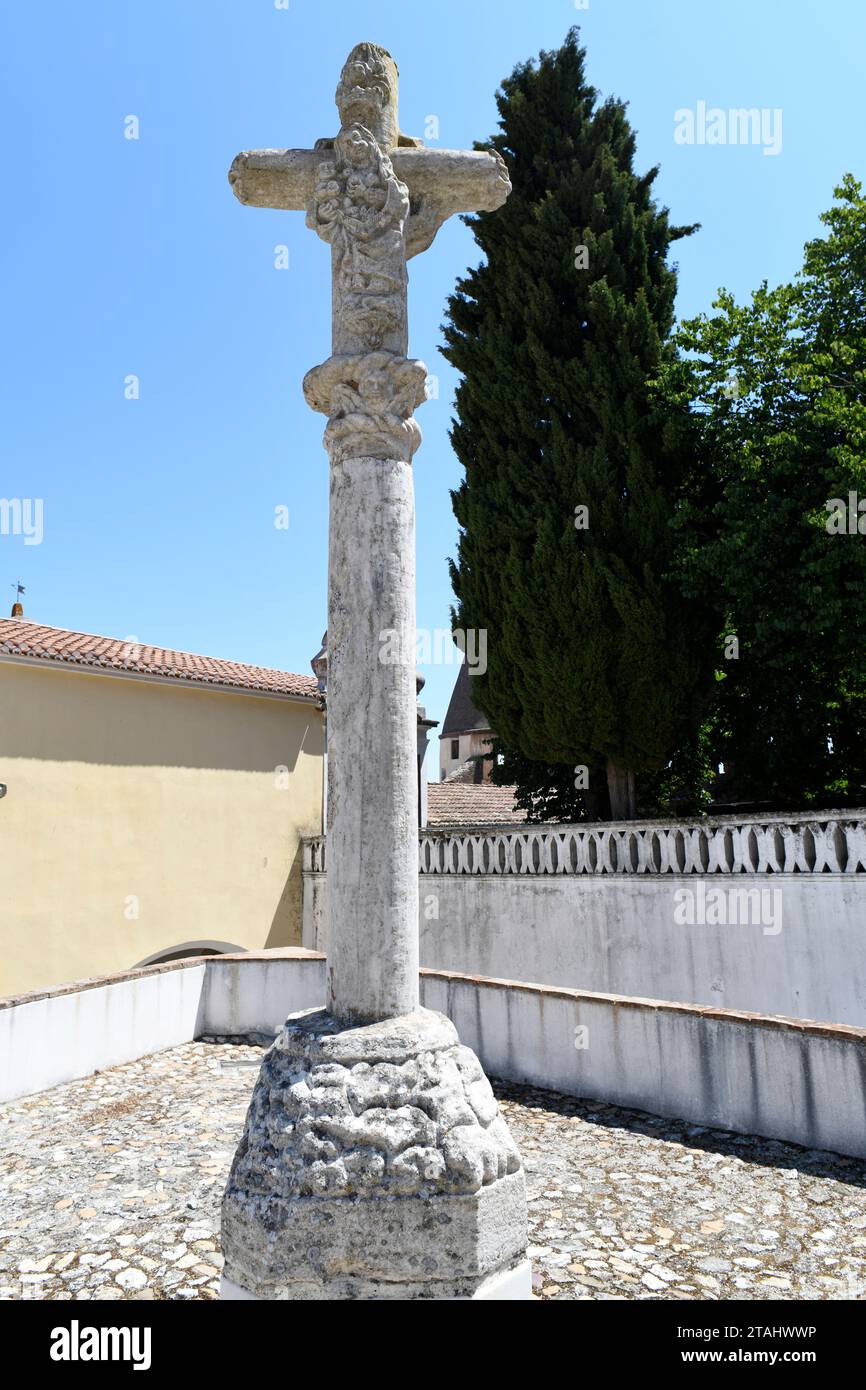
(82, 668)
(462, 716)
(251, 680)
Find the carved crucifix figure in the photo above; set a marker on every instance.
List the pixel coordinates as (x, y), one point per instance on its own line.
(373, 1098)
(379, 198)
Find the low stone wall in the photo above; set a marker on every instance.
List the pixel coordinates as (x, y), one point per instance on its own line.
(251, 996)
(783, 1078)
(58, 1035)
(74, 1030)
(766, 916)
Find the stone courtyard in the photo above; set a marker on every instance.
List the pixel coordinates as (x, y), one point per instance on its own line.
(111, 1187)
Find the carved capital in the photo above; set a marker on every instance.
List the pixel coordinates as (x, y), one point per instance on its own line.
(369, 399)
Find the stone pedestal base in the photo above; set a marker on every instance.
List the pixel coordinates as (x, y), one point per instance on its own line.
(509, 1285)
(374, 1165)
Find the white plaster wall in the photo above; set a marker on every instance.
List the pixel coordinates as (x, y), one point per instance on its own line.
(245, 996)
(60, 1037)
(470, 744)
(77, 1030)
(617, 934)
(785, 1081)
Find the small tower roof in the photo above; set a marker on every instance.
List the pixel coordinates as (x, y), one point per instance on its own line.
(462, 716)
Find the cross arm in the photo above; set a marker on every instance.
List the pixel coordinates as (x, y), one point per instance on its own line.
(275, 178)
(440, 182)
(444, 182)
(454, 180)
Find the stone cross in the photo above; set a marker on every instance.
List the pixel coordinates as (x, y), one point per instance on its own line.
(378, 198)
(374, 1162)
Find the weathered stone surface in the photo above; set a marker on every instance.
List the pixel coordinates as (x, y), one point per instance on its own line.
(398, 1108)
(381, 1247)
(373, 220)
(369, 399)
(372, 792)
(442, 183)
(372, 1156)
(614, 1196)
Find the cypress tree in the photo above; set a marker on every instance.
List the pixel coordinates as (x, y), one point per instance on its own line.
(594, 657)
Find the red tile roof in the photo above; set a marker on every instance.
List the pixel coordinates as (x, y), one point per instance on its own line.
(54, 645)
(463, 803)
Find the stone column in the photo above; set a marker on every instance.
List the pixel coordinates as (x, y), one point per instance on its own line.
(372, 748)
(374, 1162)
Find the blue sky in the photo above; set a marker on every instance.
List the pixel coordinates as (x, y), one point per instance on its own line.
(132, 257)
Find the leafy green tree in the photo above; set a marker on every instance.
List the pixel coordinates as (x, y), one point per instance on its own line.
(572, 471)
(779, 387)
(559, 792)
(550, 791)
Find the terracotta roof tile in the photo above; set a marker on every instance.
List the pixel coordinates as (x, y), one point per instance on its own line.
(33, 641)
(461, 803)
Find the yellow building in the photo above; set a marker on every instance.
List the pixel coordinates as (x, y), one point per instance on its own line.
(154, 804)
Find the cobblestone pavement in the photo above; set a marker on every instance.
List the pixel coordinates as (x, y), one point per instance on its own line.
(110, 1188)
(627, 1205)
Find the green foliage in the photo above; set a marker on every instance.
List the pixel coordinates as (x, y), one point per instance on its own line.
(593, 652)
(779, 387)
(547, 791)
(550, 791)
